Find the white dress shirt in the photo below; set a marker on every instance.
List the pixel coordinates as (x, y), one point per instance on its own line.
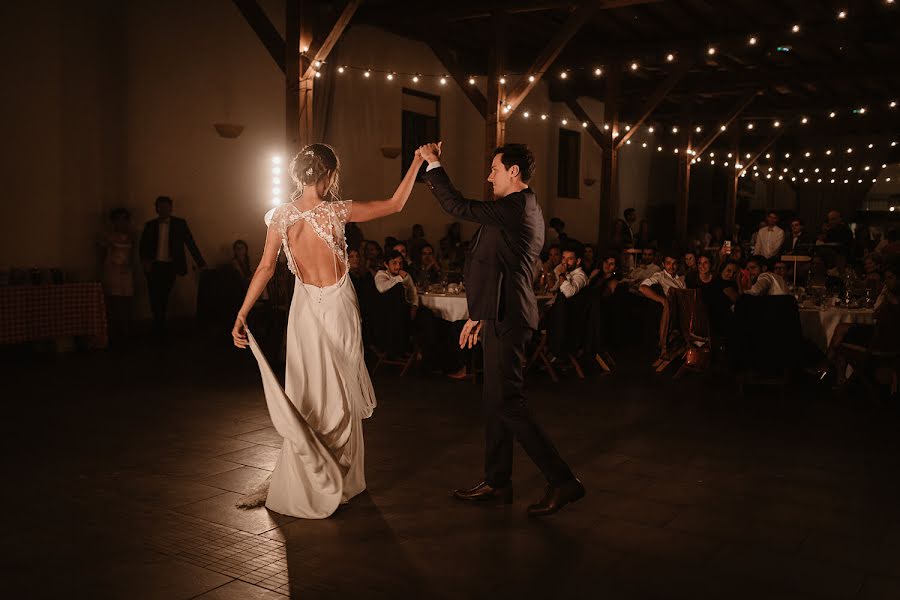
(768, 284)
(642, 272)
(433, 165)
(574, 282)
(385, 281)
(769, 241)
(665, 280)
(162, 243)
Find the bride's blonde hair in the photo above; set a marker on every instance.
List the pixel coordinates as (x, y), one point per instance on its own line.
(315, 163)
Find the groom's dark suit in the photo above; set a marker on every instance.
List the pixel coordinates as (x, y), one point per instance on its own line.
(499, 284)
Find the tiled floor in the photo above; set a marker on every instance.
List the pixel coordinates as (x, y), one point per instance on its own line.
(123, 470)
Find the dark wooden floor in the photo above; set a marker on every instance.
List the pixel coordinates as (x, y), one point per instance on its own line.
(122, 469)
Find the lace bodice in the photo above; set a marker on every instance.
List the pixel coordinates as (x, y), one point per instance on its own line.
(327, 219)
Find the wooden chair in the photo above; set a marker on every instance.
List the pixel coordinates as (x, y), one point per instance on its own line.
(689, 324)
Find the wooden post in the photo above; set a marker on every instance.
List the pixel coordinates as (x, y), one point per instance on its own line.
(682, 202)
(494, 125)
(732, 181)
(292, 143)
(609, 172)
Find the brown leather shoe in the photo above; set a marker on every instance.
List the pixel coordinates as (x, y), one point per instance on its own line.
(485, 493)
(556, 498)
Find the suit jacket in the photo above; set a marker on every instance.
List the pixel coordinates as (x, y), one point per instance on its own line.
(500, 260)
(179, 237)
(805, 239)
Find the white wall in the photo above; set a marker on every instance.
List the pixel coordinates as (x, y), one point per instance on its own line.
(114, 104)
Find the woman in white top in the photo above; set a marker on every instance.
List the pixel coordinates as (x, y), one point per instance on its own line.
(327, 389)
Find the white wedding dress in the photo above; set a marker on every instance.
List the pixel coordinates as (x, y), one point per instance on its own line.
(327, 388)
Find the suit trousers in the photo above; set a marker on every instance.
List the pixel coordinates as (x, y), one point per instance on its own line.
(160, 281)
(507, 413)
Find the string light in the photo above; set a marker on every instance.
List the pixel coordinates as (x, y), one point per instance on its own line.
(675, 129)
(832, 114)
(670, 57)
(634, 66)
(416, 78)
(584, 124)
(598, 71)
(531, 78)
(776, 124)
(750, 125)
(795, 29)
(471, 81)
(711, 50)
(390, 76)
(752, 41)
(563, 75)
(318, 74)
(723, 128)
(443, 81)
(367, 74)
(804, 120)
(526, 114)
(503, 81)
(651, 129)
(698, 129)
(565, 121)
(341, 69)
(842, 14)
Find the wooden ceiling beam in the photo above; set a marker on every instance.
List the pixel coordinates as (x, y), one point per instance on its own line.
(772, 139)
(548, 55)
(320, 49)
(595, 132)
(264, 29)
(732, 116)
(455, 71)
(677, 74)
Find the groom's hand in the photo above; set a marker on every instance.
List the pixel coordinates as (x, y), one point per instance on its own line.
(468, 338)
(431, 152)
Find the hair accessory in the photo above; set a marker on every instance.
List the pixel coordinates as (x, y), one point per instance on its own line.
(310, 153)
(309, 172)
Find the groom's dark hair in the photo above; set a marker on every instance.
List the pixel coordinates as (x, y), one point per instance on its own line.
(519, 155)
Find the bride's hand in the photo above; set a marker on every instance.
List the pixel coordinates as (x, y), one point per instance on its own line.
(239, 332)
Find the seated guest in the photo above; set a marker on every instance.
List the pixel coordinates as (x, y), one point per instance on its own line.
(552, 258)
(393, 274)
(644, 270)
(762, 282)
(701, 276)
(688, 263)
(607, 314)
(587, 263)
(428, 269)
(883, 337)
(719, 296)
(658, 285)
(416, 242)
(372, 257)
(570, 277)
(871, 271)
(398, 305)
(779, 267)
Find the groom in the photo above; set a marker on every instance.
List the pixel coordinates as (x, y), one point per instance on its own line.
(503, 311)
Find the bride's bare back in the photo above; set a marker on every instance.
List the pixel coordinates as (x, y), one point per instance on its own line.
(314, 241)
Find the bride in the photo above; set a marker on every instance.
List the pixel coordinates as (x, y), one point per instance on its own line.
(327, 388)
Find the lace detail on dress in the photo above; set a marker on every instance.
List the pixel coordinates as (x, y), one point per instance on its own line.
(327, 219)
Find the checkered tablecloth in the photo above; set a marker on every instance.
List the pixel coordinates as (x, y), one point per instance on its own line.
(40, 312)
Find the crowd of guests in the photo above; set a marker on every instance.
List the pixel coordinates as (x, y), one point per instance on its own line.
(595, 300)
(609, 299)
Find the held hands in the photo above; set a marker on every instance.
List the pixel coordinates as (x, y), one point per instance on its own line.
(239, 332)
(430, 152)
(470, 334)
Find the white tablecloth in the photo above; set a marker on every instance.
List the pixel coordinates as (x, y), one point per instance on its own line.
(453, 307)
(819, 325)
(449, 307)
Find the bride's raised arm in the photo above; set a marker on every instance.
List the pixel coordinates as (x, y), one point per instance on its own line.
(367, 210)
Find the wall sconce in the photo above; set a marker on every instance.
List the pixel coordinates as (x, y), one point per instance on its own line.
(390, 151)
(589, 181)
(228, 130)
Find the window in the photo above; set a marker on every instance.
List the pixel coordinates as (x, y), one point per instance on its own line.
(567, 173)
(421, 124)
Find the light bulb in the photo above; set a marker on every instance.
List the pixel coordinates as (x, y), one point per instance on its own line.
(503, 81)
(644, 145)
(675, 130)
(584, 124)
(317, 63)
(787, 154)
(318, 74)
(598, 71)
(276, 170)
(565, 121)
(606, 127)
(634, 66)
(776, 124)
(804, 120)
(341, 69)
(808, 154)
(832, 114)
(531, 78)
(670, 57)
(276, 160)
(563, 75)
(367, 74)
(415, 79)
(711, 50)
(893, 104)
(543, 117)
(722, 128)
(628, 128)
(828, 152)
(659, 148)
(849, 150)
(795, 29)
(750, 125)
(871, 146)
(389, 76)
(698, 129)
(651, 129)
(752, 41)
(526, 114)
(443, 81)
(842, 14)
(471, 81)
